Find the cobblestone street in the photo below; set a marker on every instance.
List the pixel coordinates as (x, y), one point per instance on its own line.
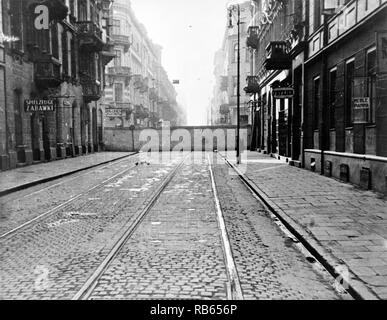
(147, 230)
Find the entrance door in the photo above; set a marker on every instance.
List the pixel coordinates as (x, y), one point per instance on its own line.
(35, 137)
(46, 139)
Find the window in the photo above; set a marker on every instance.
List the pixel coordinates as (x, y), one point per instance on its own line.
(371, 83)
(332, 98)
(116, 26)
(17, 104)
(117, 58)
(235, 53)
(118, 92)
(65, 52)
(82, 11)
(316, 102)
(349, 77)
(235, 86)
(16, 24)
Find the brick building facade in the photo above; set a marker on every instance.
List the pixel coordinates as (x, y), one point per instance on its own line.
(328, 57)
(61, 62)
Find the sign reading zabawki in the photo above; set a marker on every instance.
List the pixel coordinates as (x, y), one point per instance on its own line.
(39, 105)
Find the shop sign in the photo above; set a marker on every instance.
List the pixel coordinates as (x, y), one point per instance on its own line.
(39, 105)
(283, 93)
(113, 112)
(361, 107)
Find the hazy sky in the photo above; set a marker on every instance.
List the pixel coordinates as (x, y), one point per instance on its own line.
(190, 32)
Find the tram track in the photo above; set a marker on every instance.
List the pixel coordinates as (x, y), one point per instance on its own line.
(87, 289)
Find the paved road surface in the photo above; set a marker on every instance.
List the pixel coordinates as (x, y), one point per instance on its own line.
(134, 230)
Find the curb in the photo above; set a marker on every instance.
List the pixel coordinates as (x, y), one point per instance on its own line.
(356, 287)
(49, 179)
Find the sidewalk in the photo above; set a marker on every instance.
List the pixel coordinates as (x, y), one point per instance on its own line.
(342, 223)
(22, 178)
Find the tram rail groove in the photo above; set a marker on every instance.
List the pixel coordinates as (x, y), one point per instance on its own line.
(355, 287)
(57, 177)
(46, 214)
(87, 289)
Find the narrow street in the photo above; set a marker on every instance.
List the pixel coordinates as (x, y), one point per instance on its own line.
(145, 230)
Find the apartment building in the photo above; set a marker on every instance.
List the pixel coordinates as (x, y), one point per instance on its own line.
(224, 101)
(320, 72)
(138, 92)
(52, 57)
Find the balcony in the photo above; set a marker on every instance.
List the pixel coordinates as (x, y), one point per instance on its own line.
(252, 84)
(119, 71)
(121, 40)
(252, 38)
(224, 109)
(140, 112)
(108, 53)
(47, 72)
(277, 57)
(90, 36)
(91, 89)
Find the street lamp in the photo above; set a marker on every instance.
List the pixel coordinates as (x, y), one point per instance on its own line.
(232, 9)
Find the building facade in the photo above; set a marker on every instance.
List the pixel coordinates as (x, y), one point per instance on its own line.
(138, 91)
(224, 100)
(320, 67)
(52, 52)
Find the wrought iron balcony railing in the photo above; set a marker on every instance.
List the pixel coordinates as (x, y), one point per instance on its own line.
(91, 88)
(47, 72)
(119, 71)
(277, 56)
(252, 84)
(90, 36)
(121, 40)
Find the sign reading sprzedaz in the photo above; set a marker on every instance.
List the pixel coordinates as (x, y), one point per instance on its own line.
(39, 105)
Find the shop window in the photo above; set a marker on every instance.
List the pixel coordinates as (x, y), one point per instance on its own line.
(371, 83)
(349, 78)
(332, 98)
(316, 102)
